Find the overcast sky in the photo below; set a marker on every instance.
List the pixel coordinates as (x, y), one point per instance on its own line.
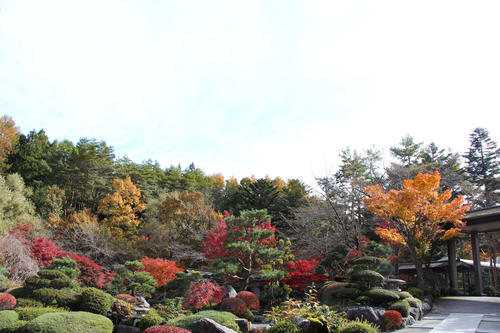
(269, 87)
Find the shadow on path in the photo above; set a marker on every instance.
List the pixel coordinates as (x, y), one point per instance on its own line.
(467, 304)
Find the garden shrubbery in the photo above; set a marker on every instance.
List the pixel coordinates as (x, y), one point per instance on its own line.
(151, 318)
(7, 317)
(234, 305)
(380, 296)
(223, 318)
(7, 301)
(66, 322)
(250, 299)
(392, 319)
(402, 307)
(30, 313)
(284, 327)
(96, 301)
(166, 329)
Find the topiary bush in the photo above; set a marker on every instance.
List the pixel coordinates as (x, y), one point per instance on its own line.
(129, 280)
(127, 298)
(250, 299)
(95, 301)
(7, 317)
(65, 265)
(358, 326)
(166, 329)
(170, 308)
(403, 294)
(416, 292)
(7, 301)
(381, 296)
(70, 322)
(30, 313)
(180, 284)
(414, 302)
(234, 305)
(366, 279)
(284, 327)
(402, 307)
(15, 327)
(224, 318)
(327, 292)
(248, 315)
(151, 318)
(347, 293)
(392, 320)
(28, 302)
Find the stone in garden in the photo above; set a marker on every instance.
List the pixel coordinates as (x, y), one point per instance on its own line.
(243, 324)
(416, 313)
(408, 321)
(142, 302)
(230, 291)
(372, 314)
(426, 307)
(303, 323)
(206, 325)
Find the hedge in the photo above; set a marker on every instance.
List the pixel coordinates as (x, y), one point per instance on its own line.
(402, 307)
(29, 313)
(381, 296)
(70, 322)
(95, 301)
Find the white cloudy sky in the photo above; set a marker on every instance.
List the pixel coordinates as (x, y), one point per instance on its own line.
(251, 87)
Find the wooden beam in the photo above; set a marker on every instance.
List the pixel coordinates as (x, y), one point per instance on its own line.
(478, 278)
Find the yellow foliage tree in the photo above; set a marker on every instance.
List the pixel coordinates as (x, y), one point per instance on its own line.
(416, 215)
(9, 137)
(121, 209)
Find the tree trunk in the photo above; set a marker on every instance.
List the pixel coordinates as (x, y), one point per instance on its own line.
(420, 271)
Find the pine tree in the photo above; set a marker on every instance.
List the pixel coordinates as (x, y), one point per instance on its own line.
(483, 166)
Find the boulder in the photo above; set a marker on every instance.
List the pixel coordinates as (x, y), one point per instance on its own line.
(230, 291)
(416, 313)
(300, 322)
(426, 307)
(408, 321)
(209, 326)
(243, 324)
(374, 315)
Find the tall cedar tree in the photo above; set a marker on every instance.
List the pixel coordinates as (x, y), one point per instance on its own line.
(483, 166)
(418, 214)
(245, 248)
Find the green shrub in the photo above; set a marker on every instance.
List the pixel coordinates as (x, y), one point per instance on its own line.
(347, 293)
(34, 282)
(66, 297)
(29, 302)
(414, 302)
(179, 285)
(15, 327)
(151, 318)
(416, 292)
(381, 296)
(20, 292)
(284, 327)
(51, 274)
(60, 283)
(46, 295)
(95, 301)
(70, 322)
(403, 294)
(358, 326)
(65, 265)
(248, 315)
(30, 313)
(223, 318)
(363, 300)
(402, 307)
(170, 308)
(272, 295)
(366, 278)
(4, 280)
(7, 317)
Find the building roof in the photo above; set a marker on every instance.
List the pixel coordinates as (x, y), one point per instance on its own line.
(483, 220)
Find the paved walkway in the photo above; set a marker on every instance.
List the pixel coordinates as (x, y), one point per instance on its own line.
(460, 314)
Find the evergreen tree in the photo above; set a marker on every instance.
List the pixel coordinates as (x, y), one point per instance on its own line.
(483, 166)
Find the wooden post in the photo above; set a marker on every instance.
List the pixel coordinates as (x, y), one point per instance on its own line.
(452, 264)
(478, 278)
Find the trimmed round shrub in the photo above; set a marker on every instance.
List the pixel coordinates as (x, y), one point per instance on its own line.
(70, 322)
(15, 327)
(248, 315)
(366, 278)
(403, 294)
(30, 313)
(28, 302)
(151, 318)
(358, 326)
(66, 265)
(7, 301)
(363, 300)
(347, 293)
(327, 292)
(234, 305)
(251, 300)
(414, 302)
(46, 295)
(392, 319)
(127, 298)
(51, 274)
(416, 292)
(283, 327)
(166, 329)
(60, 283)
(381, 296)
(223, 318)
(8, 317)
(95, 301)
(402, 307)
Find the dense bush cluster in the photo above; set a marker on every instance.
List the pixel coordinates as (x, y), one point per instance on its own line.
(7, 301)
(204, 293)
(234, 305)
(392, 319)
(250, 299)
(166, 329)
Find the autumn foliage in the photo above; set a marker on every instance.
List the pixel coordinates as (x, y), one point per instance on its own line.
(416, 215)
(44, 250)
(203, 293)
(250, 299)
(302, 273)
(7, 301)
(161, 270)
(392, 319)
(234, 305)
(166, 329)
(91, 273)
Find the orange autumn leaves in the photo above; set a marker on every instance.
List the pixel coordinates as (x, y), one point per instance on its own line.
(417, 212)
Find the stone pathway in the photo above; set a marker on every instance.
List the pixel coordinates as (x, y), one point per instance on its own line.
(460, 315)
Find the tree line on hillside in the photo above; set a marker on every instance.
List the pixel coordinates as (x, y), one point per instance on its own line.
(108, 208)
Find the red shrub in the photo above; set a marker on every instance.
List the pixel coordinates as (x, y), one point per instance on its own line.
(203, 293)
(91, 274)
(250, 299)
(44, 250)
(7, 301)
(162, 270)
(302, 273)
(166, 329)
(392, 319)
(127, 298)
(234, 305)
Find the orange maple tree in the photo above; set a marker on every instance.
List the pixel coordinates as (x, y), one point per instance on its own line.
(417, 215)
(161, 270)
